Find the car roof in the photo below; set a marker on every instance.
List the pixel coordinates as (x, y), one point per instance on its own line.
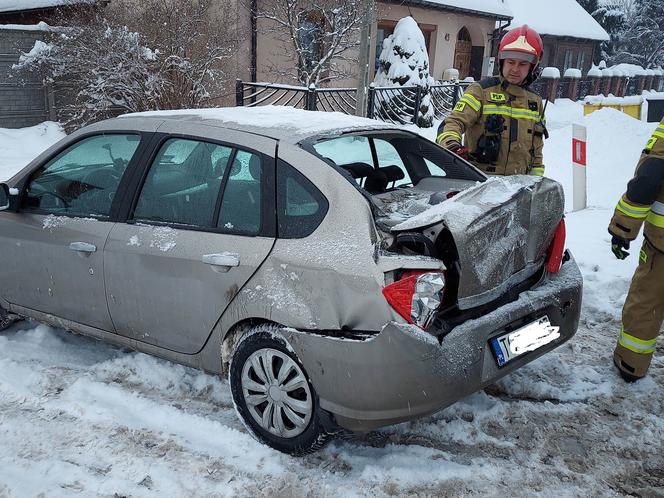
(278, 122)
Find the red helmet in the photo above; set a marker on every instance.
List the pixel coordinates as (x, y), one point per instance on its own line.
(522, 43)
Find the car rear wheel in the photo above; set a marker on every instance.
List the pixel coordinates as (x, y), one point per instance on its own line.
(273, 395)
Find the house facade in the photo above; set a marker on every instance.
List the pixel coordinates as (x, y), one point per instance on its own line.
(458, 33)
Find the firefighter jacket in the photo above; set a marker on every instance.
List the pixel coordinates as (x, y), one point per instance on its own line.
(502, 125)
(644, 199)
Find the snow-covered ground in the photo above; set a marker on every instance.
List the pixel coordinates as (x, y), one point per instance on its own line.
(81, 418)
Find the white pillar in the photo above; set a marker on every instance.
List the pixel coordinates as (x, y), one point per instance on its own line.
(579, 167)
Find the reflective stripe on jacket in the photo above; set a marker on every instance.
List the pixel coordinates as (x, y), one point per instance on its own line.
(644, 199)
(521, 138)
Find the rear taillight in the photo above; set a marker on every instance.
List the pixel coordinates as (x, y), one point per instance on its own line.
(417, 296)
(556, 249)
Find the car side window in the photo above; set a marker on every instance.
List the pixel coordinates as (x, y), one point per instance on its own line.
(388, 156)
(183, 183)
(353, 152)
(241, 203)
(83, 179)
(301, 207)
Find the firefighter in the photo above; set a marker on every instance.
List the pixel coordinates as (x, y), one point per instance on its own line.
(502, 122)
(644, 307)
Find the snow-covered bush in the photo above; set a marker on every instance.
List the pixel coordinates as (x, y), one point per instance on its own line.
(131, 57)
(404, 62)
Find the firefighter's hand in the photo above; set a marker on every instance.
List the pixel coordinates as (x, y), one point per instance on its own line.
(618, 246)
(458, 149)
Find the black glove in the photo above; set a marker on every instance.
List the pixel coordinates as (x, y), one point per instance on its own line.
(618, 246)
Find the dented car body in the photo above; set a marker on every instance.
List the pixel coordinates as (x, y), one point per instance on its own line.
(347, 274)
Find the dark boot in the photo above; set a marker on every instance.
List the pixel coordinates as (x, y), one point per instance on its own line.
(624, 371)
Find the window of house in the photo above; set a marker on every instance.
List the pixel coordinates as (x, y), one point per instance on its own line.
(310, 36)
(386, 28)
(581, 60)
(569, 59)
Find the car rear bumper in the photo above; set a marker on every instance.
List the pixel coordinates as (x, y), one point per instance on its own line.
(403, 373)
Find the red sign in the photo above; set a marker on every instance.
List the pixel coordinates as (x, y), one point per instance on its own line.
(578, 152)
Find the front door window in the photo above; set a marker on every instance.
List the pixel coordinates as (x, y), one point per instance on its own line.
(82, 180)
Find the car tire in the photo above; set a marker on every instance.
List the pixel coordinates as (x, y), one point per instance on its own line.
(260, 358)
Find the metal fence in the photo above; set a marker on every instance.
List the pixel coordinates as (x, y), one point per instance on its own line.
(399, 105)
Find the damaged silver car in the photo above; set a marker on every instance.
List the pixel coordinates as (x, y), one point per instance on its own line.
(345, 274)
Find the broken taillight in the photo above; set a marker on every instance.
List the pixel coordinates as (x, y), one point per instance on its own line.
(557, 249)
(416, 296)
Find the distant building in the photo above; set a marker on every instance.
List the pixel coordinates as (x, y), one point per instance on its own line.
(35, 11)
(571, 36)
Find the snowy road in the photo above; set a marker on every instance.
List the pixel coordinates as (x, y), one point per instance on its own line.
(82, 418)
(79, 417)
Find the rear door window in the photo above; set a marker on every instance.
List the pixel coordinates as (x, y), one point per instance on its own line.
(242, 201)
(183, 183)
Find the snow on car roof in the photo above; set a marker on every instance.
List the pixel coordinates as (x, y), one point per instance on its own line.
(281, 122)
(559, 18)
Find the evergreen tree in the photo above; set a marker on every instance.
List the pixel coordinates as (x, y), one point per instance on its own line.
(404, 61)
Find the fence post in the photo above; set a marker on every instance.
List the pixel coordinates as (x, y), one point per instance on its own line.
(418, 101)
(239, 93)
(371, 98)
(311, 98)
(455, 96)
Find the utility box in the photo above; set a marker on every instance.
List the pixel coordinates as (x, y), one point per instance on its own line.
(655, 109)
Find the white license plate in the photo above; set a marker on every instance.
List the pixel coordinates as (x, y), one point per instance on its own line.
(528, 338)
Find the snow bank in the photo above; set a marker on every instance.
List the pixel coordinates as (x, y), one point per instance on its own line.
(612, 100)
(19, 147)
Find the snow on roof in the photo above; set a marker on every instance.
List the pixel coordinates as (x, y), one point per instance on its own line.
(559, 18)
(18, 5)
(275, 121)
(498, 8)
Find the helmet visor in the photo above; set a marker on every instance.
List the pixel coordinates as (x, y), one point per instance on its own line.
(514, 54)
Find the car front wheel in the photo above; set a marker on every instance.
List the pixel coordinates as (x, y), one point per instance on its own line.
(6, 318)
(273, 395)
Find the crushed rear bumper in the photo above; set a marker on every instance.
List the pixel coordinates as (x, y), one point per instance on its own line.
(404, 373)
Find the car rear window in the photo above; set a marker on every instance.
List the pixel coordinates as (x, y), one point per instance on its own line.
(378, 162)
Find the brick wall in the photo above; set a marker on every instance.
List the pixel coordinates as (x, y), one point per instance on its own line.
(22, 102)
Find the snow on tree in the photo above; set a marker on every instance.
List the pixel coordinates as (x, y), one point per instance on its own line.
(634, 27)
(132, 57)
(404, 62)
(322, 36)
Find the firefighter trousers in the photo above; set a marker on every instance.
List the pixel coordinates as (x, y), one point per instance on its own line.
(642, 314)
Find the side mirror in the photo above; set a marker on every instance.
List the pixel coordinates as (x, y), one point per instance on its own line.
(5, 196)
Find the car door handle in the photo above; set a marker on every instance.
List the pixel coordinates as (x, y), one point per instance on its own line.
(83, 247)
(224, 260)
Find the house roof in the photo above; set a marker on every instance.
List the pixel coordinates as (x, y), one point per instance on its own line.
(496, 9)
(22, 5)
(559, 18)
